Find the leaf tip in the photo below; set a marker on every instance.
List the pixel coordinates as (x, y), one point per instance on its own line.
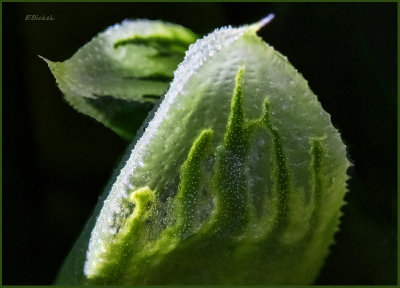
(45, 60)
(264, 21)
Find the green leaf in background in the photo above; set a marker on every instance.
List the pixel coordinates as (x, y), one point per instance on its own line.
(118, 76)
(238, 179)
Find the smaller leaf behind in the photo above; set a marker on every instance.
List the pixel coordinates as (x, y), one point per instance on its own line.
(121, 73)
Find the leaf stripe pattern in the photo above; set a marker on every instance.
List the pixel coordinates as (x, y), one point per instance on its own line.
(192, 177)
(316, 163)
(152, 77)
(281, 174)
(230, 213)
(165, 45)
(231, 186)
(127, 62)
(247, 172)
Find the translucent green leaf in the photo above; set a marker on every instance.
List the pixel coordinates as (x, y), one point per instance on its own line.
(238, 179)
(118, 76)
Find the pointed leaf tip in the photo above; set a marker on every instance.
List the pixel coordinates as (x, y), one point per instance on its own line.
(119, 86)
(264, 21)
(45, 60)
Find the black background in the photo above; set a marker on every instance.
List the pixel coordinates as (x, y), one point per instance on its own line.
(55, 161)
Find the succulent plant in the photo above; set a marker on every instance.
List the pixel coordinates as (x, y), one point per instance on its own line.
(237, 178)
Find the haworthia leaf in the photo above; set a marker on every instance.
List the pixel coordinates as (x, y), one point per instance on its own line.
(238, 179)
(118, 76)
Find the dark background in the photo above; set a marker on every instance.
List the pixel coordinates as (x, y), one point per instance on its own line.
(55, 161)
